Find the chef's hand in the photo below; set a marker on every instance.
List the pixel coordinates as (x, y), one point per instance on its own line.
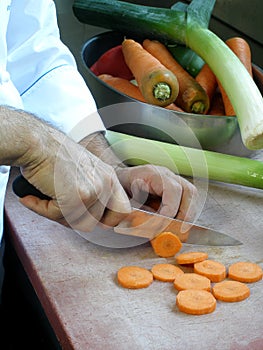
(84, 189)
(178, 196)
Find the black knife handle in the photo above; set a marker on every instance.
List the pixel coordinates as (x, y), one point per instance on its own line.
(22, 188)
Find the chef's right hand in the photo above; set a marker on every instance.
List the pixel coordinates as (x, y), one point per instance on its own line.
(83, 189)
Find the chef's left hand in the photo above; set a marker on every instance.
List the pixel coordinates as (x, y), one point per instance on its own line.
(178, 196)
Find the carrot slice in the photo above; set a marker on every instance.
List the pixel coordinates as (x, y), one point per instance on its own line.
(134, 277)
(166, 244)
(245, 271)
(192, 281)
(242, 50)
(166, 272)
(213, 270)
(195, 302)
(192, 97)
(191, 257)
(157, 84)
(122, 85)
(230, 291)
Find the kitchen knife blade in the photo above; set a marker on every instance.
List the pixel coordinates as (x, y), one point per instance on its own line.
(146, 224)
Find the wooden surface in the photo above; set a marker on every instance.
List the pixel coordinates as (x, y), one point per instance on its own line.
(75, 281)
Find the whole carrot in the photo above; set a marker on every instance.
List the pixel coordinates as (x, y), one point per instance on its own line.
(126, 87)
(191, 97)
(242, 50)
(123, 85)
(157, 84)
(207, 79)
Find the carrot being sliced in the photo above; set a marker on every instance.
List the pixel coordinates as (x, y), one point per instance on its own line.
(166, 244)
(192, 281)
(190, 257)
(242, 50)
(192, 97)
(166, 272)
(134, 277)
(157, 84)
(213, 270)
(230, 291)
(195, 302)
(245, 271)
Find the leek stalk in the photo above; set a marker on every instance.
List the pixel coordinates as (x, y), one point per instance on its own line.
(187, 161)
(188, 26)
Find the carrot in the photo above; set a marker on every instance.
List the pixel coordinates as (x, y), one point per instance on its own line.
(192, 281)
(217, 105)
(166, 244)
(122, 85)
(157, 84)
(166, 272)
(245, 271)
(230, 291)
(174, 107)
(242, 50)
(213, 270)
(207, 79)
(195, 302)
(191, 97)
(134, 277)
(191, 257)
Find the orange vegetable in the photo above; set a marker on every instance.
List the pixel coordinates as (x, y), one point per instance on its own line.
(134, 277)
(166, 244)
(126, 87)
(195, 302)
(166, 272)
(245, 271)
(157, 84)
(191, 98)
(122, 85)
(217, 105)
(207, 79)
(191, 257)
(192, 281)
(230, 291)
(242, 50)
(213, 270)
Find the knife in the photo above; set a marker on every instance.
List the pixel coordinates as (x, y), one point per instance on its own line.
(144, 224)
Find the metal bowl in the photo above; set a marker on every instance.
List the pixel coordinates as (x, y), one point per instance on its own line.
(214, 133)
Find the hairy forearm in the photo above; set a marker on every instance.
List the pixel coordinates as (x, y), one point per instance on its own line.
(22, 137)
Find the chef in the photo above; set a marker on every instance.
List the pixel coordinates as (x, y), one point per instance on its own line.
(42, 99)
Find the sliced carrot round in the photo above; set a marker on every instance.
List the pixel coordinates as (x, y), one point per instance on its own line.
(245, 271)
(213, 270)
(191, 257)
(192, 281)
(166, 244)
(195, 302)
(166, 272)
(231, 291)
(134, 277)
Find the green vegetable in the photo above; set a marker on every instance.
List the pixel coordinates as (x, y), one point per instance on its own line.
(187, 161)
(188, 27)
(187, 58)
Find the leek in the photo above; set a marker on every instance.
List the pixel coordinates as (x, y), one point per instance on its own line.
(187, 161)
(187, 25)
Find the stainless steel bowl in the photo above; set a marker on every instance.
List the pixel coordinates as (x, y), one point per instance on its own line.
(214, 133)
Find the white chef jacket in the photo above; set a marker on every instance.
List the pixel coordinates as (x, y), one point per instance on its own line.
(38, 73)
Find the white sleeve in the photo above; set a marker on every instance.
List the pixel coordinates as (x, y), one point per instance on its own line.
(44, 71)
